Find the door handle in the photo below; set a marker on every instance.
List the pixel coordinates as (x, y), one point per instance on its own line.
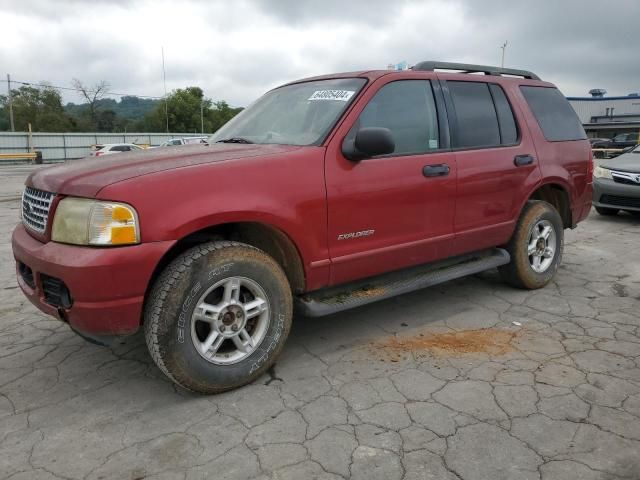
(522, 160)
(440, 170)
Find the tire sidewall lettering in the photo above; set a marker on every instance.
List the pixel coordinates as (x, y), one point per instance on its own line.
(272, 344)
(185, 309)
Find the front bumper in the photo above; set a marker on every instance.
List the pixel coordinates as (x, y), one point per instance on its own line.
(106, 285)
(611, 194)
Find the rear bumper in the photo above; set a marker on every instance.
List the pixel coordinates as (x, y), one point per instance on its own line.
(610, 194)
(106, 285)
(580, 211)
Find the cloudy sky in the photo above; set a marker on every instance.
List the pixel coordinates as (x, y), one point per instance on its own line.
(237, 49)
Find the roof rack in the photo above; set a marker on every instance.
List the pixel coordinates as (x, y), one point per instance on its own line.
(430, 66)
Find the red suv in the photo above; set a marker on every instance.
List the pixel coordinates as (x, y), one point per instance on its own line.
(325, 194)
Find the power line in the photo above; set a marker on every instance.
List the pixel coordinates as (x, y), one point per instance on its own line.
(46, 85)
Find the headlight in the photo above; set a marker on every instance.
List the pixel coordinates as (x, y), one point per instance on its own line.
(601, 172)
(82, 221)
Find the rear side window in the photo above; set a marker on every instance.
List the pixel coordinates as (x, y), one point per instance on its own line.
(506, 121)
(555, 116)
(477, 121)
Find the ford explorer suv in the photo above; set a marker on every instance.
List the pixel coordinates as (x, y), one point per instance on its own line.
(325, 194)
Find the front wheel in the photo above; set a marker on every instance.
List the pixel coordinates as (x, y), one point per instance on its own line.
(535, 247)
(218, 316)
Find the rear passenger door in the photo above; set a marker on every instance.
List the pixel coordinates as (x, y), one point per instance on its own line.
(496, 162)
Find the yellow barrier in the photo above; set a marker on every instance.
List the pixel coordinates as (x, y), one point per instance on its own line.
(18, 156)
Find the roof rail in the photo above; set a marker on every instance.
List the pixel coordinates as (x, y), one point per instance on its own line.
(430, 66)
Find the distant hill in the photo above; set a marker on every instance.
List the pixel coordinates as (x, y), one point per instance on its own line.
(129, 107)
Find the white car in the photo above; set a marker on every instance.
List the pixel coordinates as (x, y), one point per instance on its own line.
(184, 141)
(110, 148)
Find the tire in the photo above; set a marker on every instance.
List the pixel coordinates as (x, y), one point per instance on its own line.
(524, 271)
(218, 316)
(607, 212)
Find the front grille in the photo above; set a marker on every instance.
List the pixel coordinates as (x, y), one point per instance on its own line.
(626, 178)
(35, 208)
(632, 202)
(55, 291)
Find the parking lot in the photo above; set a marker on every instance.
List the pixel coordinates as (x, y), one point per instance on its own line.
(469, 380)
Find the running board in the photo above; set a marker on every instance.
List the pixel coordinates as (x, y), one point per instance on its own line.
(343, 297)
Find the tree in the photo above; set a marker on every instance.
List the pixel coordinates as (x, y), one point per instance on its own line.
(92, 96)
(221, 114)
(4, 114)
(106, 121)
(42, 107)
(189, 111)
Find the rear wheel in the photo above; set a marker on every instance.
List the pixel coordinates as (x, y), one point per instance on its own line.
(535, 247)
(608, 212)
(218, 316)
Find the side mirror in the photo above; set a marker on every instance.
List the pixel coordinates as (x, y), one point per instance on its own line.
(369, 142)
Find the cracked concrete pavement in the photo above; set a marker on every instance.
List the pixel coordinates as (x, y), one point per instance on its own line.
(523, 385)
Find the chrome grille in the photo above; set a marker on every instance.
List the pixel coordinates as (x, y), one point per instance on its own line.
(35, 208)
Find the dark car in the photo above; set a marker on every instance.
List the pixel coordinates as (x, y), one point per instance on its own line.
(616, 184)
(623, 140)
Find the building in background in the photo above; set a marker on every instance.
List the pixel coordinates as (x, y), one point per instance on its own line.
(606, 117)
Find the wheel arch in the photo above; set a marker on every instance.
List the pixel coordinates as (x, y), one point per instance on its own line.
(266, 237)
(555, 193)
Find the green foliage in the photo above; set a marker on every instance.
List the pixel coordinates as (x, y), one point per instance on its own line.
(4, 114)
(188, 111)
(129, 112)
(42, 107)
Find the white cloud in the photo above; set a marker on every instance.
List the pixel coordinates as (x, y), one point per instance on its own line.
(235, 50)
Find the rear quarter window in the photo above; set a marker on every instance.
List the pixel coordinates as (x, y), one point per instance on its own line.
(555, 116)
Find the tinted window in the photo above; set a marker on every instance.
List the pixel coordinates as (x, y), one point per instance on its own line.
(555, 116)
(407, 108)
(506, 121)
(477, 119)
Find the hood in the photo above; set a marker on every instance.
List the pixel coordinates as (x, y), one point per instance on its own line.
(85, 178)
(627, 162)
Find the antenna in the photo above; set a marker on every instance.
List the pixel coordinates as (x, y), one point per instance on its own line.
(503, 47)
(164, 80)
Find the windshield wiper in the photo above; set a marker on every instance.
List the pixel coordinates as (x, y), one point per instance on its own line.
(234, 140)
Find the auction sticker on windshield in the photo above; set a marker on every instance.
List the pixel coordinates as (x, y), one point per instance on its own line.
(342, 95)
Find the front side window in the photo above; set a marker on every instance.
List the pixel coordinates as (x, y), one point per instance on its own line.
(477, 121)
(297, 114)
(407, 108)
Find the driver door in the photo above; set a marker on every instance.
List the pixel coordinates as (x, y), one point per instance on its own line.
(390, 211)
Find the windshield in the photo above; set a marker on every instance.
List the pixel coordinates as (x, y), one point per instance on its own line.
(298, 114)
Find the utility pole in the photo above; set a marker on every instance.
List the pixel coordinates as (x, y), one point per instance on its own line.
(164, 80)
(10, 101)
(202, 114)
(503, 47)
